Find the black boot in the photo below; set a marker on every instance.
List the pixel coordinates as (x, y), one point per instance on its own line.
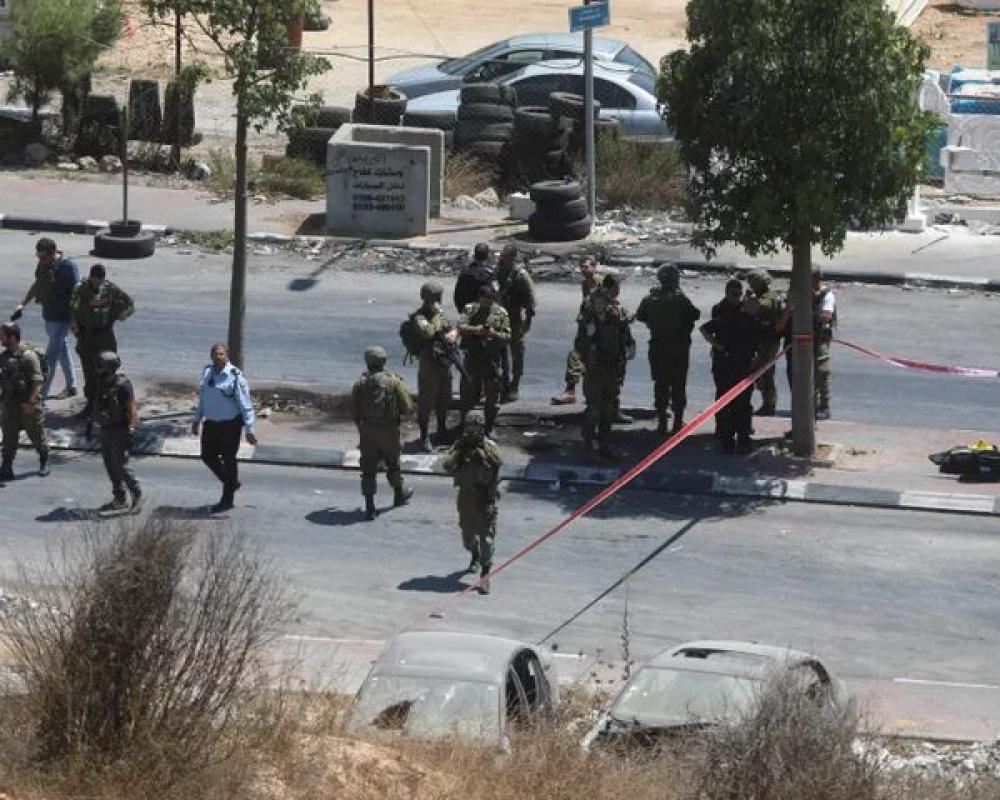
(484, 585)
(676, 427)
(510, 396)
(661, 422)
(7, 470)
(823, 411)
(370, 511)
(402, 496)
(43, 464)
(744, 445)
(425, 438)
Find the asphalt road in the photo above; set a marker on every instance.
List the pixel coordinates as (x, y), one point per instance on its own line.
(879, 594)
(310, 324)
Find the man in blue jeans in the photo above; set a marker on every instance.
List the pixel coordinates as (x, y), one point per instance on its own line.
(55, 278)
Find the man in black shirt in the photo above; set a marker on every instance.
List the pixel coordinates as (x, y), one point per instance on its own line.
(734, 334)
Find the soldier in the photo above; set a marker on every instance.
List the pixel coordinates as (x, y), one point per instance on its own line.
(21, 377)
(116, 413)
(434, 368)
(574, 365)
(603, 339)
(767, 306)
(733, 333)
(378, 400)
(517, 296)
(97, 305)
(472, 276)
(475, 461)
(670, 317)
(485, 331)
(824, 322)
(613, 286)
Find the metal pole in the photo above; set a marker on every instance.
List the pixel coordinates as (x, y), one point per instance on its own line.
(125, 131)
(371, 46)
(588, 114)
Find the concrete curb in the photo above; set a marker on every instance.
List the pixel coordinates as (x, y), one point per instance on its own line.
(556, 475)
(84, 227)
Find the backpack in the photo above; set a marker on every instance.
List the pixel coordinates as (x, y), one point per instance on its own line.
(378, 400)
(43, 360)
(409, 334)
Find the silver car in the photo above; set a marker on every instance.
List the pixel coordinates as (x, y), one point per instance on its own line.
(502, 58)
(625, 94)
(704, 683)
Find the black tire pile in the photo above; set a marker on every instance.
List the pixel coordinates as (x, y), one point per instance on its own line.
(100, 127)
(315, 127)
(569, 110)
(485, 125)
(433, 120)
(384, 106)
(560, 212)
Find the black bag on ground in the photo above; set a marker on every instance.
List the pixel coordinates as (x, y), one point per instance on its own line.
(980, 461)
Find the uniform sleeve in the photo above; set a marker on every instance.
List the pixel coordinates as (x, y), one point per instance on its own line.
(693, 314)
(123, 305)
(642, 313)
(31, 368)
(494, 454)
(450, 461)
(245, 402)
(528, 288)
(425, 327)
(356, 403)
(463, 322)
(406, 404)
(503, 334)
(76, 303)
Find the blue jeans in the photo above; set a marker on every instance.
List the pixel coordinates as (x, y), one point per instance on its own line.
(58, 351)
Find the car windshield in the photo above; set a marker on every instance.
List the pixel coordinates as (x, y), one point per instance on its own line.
(428, 707)
(663, 695)
(629, 56)
(459, 66)
(644, 81)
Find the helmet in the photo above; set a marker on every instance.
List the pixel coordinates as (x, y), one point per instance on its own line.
(669, 276)
(431, 291)
(108, 361)
(475, 424)
(759, 280)
(376, 356)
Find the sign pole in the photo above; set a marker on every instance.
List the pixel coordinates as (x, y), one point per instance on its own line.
(371, 46)
(588, 118)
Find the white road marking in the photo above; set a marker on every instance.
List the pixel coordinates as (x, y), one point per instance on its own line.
(951, 502)
(949, 684)
(294, 637)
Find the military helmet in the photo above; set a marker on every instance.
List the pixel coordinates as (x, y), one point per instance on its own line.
(108, 361)
(431, 291)
(759, 280)
(669, 276)
(376, 356)
(475, 424)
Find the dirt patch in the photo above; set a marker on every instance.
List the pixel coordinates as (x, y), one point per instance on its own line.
(956, 35)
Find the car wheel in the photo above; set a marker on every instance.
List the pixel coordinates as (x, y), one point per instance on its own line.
(556, 191)
(485, 112)
(534, 120)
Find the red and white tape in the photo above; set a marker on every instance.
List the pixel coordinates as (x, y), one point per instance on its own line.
(922, 366)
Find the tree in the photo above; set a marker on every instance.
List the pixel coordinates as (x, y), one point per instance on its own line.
(53, 44)
(252, 37)
(797, 118)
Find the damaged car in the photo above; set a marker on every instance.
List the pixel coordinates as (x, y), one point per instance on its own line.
(702, 684)
(455, 685)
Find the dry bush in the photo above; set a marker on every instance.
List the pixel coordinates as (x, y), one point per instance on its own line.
(465, 174)
(639, 175)
(146, 659)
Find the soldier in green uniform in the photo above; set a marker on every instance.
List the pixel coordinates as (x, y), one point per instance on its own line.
(824, 324)
(767, 307)
(97, 305)
(116, 413)
(485, 331)
(475, 462)
(670, 317)
(434, 366)
(517, 296)
(21, 378)
(603, 339)
(378, 400)
(574, 364)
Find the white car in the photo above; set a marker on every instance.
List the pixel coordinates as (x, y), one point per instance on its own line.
(455, 685)
(625, 94)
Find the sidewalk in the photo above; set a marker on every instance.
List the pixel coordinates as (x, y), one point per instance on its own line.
(942, 256)
(858, 465)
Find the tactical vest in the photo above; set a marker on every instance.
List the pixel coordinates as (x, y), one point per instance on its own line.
(12, 380)
(379, 404)
(109, 410)
(823, 330)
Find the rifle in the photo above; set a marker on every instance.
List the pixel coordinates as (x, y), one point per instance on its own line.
(448, 351)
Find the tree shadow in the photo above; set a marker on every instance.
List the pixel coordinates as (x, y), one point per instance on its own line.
(438, 584)
(336, 517)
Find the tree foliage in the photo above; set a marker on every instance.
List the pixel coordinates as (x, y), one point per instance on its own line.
(798, 118)
(54, 43)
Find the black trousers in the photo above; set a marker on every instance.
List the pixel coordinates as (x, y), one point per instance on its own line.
(219, 443)
(736, 419)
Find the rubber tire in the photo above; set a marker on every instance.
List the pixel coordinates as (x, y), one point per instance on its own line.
(379, 110)
(569, 211)
(569, 106)
(485, 112)
(488, 94)
(467, 133)
(124, 247)
(561, 191)
(535, 120)
(145, 112)
(309, 144)
(125, 230)
(545, 230)
(332, 117)
(440, 120)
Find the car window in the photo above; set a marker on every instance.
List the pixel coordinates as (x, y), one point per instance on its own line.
(459, 66)
(629, 56)
(524, 56)
(535, 91)
(560, 55)
(610, 95)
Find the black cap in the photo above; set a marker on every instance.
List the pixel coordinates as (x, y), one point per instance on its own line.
(45, 245)
(98, 271)
(11, 327)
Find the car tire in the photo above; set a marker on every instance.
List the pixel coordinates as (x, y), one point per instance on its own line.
(568, 211)
(467, 132)
(485, 112)
(545, 230)
(487, 93)
(385, 108)
(555, 191)
(441, 120)
(566, 105)
(124, 247)
(309, 144)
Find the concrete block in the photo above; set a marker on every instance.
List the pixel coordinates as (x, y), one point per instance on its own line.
(418, 137)
(521, 206)
(376, 189)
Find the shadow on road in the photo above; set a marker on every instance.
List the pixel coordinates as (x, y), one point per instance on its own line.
(439, 584)
(185, 512)
(335, 516)
(64, 514)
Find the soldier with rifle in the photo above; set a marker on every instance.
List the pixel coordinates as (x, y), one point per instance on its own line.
(485, 332)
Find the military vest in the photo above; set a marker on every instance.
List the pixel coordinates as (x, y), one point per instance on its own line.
(109, 407)
(379, 403)
(12, 374)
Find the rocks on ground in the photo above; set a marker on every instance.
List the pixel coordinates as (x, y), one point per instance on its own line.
(960, 764)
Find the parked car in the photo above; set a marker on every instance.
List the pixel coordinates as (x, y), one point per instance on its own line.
(625, 94)
(701, 684)
(505, 57)
(455, 685)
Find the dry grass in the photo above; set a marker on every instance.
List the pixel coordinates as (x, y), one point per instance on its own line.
(464, 174)
(639, 175)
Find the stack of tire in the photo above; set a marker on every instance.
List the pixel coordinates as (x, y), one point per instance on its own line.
(178, 113)
(433, 120)
(307, 141)
(100, 127)
(560, 212)
(380, 105)
(568, 110)
(144, 110)
(538, 147)
(485, 125)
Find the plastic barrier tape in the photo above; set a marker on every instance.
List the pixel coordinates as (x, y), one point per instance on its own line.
(922, 366)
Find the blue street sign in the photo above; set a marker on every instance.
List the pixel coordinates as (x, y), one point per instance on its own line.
(596, 15)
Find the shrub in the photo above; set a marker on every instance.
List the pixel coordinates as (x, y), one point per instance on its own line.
(465, 174)
(642, 175)
(290, 177)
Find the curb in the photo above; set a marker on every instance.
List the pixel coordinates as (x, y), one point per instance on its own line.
(84, 227)
(556, 475)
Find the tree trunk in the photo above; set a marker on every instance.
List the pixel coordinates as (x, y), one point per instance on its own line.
(803, 400)
(238, 287)
(175, 147)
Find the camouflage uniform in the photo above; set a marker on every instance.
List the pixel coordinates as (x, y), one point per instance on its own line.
(378, 400)
(112, 411)
(670, 317)
(768, 309)
(517, 295)
(19, 371)
(95, 311)
(483, 357)
(822, 340)
(433, 370)
(474, 462)
(574, 364)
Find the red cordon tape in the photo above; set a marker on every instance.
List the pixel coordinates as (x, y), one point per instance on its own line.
(623, 481)
(922, 366)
